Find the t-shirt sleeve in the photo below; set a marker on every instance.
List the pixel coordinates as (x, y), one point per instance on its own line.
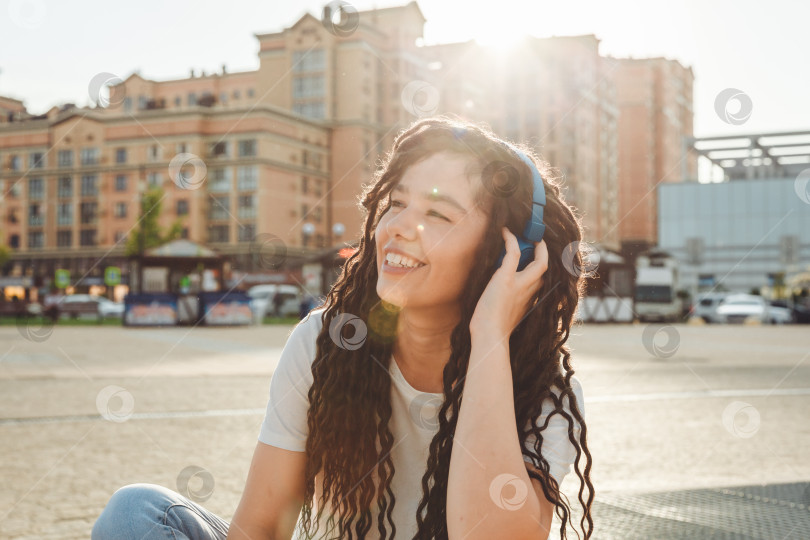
(285, 420)
(557, 449)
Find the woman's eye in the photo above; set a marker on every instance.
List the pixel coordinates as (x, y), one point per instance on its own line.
(398, 203)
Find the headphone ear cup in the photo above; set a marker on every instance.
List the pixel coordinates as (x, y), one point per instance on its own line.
(526, 254)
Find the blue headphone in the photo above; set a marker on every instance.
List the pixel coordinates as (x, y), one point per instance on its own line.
(533, 232)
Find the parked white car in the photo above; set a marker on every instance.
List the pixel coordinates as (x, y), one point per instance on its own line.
(737, 308)
(779, 315)
(706, 306)
(262, 296)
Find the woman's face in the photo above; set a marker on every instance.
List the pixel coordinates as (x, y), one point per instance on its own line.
(432, 218)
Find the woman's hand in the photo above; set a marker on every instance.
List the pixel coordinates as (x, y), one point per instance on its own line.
(506, 299)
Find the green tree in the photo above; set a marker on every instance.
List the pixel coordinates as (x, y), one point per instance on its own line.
(5, 254)
(148, 226)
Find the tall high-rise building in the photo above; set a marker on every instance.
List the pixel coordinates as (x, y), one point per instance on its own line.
(654, 96)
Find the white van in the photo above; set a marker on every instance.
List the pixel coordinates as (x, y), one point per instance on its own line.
(262, 299)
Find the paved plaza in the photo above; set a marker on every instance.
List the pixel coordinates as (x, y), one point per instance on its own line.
(696, 431)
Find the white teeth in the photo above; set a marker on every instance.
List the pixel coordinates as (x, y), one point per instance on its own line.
(398, 260)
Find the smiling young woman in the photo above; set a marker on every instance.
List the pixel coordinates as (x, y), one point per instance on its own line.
(451, 410)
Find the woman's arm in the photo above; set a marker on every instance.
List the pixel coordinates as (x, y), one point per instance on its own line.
(489, 493)
(273, 495)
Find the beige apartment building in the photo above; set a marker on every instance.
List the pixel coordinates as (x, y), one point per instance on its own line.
(287, 147)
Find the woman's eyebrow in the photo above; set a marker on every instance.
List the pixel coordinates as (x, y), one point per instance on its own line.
(434, 196)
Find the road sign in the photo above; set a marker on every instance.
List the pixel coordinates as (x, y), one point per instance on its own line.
(112, 275)
(62, 278)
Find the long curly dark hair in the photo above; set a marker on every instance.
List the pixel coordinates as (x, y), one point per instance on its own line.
(349, 437)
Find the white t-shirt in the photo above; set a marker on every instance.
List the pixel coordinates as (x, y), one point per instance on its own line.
(413, 425)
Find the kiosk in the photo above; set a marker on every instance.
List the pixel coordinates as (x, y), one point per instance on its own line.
(182, 283)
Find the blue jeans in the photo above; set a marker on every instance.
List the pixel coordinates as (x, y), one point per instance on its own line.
(149, 511)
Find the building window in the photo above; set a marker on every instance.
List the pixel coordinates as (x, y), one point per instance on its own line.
(89, 156)
(192, 99)
(220, 180)
(65, 158)
(313, 60)
(247, 232)
(250, 92)
(14, 241)
(315, 110)
(223, 98)
(120, 236)
(304, 185)
(218, 149)
(64, 214)
(120, 209)
(154, 152)
(120, 155)
(36, 160)
(154, 178)
(308, 86)
(120, 182)
(89, 185)
(64, 238)
(182, 207)
(36, 239)
(127, 104)
(236, 94)
(304, 210)
(318, 214)
(247, 148)
(35, 216)
(87, 237)
(247, 178)
(65, 187)
(87, 211)
(14, 163)
(184, 233)
(247, 206)
(219, 208)
(178, 101)
(218, 233)
(142, 102)
(182, 148)
(36, 189)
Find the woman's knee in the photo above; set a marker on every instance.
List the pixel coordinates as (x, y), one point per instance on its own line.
(134, 509)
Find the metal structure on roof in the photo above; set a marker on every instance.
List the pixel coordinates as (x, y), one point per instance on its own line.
(755, 155)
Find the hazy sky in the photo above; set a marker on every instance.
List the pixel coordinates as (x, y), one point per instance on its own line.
(51, 49)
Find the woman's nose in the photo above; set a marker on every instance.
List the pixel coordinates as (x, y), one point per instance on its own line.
(405, 223)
